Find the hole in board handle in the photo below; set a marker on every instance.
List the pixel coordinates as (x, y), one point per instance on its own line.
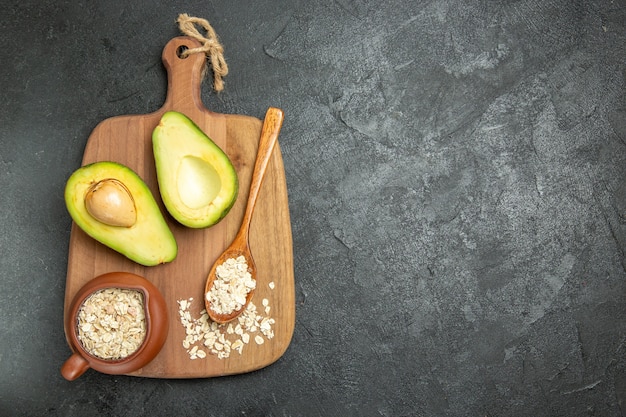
(181, 50)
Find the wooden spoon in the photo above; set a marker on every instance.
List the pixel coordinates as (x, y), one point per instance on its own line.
(240, 245)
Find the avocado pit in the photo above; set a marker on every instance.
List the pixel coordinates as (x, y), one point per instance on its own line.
(110, 202)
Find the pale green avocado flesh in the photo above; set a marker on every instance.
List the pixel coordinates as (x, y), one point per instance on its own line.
(148, 242)
(197, 181)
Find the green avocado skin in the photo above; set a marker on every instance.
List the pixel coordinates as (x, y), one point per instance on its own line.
(176, 140)
(148, 242)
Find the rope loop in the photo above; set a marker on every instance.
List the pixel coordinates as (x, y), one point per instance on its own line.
(211, 46)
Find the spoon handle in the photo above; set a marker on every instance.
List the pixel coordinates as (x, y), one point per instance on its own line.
(269, 136)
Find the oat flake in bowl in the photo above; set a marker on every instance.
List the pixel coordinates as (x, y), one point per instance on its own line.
(111, 323)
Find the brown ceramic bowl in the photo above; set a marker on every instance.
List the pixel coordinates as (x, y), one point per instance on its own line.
(156, 327)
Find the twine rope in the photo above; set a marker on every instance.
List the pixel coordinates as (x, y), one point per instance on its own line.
(211, 46)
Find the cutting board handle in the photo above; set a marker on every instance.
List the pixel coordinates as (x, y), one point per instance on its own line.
(184, 75)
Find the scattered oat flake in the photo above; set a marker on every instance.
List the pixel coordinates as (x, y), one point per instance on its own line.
(271, 285)
(220, 340)
(237, 345)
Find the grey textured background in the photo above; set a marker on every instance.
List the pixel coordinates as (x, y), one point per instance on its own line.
(456, 181)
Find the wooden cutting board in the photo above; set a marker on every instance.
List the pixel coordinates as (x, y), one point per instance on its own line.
(128, 140)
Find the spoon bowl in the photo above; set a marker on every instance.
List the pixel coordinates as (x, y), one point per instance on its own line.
(240, 245)
(235, 250)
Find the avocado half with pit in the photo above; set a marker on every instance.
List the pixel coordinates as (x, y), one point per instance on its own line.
(197, 181)
(113, 205)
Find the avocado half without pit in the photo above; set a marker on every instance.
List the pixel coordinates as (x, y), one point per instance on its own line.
(197, 181)
(113, 205)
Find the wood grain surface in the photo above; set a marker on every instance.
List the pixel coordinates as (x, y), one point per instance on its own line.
(127, 140)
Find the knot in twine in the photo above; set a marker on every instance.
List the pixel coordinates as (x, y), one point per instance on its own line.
(211, 46)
